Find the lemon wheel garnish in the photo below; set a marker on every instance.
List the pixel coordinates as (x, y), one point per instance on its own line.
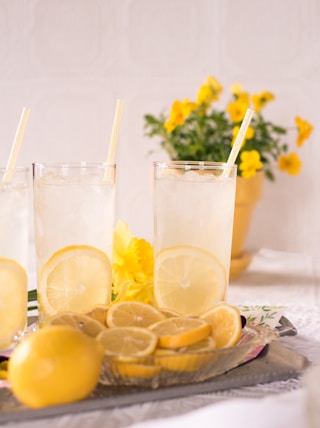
(138, 314)
(13, 300)
(225, 321)
(188, 280)
(75, 279)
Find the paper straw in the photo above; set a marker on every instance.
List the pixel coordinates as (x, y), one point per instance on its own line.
(114, 137)
(239, 138)
(15, 149)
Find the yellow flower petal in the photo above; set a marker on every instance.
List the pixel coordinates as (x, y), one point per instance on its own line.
(260, 100)
(237, 109)
(304, 130)
(209, 91)
(250, 163)
(290, 163)
(236, 89)
(132, 264)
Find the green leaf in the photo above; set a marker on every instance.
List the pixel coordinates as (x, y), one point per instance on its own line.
(32, 295)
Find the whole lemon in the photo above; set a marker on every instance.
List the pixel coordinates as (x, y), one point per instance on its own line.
(54, 365)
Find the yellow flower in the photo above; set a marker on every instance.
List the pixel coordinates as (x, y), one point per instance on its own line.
(260, 100)
(132, 266)
(170, 125)
(236, 89)
(290, 163)
(249, 135)
(250, 163)
(209, 91)
(237, 108)
(304, 130)
(180, 110)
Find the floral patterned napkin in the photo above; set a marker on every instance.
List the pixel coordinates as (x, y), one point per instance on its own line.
(262, 315)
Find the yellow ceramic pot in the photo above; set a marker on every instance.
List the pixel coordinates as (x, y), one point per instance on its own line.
(248, 193)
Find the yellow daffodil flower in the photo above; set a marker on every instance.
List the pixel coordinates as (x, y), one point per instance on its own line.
(250, 163)
(260, 100)
(304, 130)
(290, 163)
(132, 266)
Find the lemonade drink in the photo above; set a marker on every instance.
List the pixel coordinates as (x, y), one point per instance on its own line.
(74, 206)
(14, 242)
(193, 221)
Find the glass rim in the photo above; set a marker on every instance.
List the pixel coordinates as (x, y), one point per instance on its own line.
(15, 169)
(202, 165)
(74, 164)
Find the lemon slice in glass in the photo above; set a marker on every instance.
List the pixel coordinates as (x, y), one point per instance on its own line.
(188, 280)
(13, 300)
(75, 279)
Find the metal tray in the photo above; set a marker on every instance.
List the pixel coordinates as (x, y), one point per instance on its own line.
(274, 364)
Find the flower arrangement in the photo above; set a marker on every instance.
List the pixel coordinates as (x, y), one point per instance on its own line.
(197, 130)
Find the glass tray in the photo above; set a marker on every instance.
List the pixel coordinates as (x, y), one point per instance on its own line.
(192, 367)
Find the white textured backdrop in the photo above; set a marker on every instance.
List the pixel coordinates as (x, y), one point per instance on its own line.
(69, 60)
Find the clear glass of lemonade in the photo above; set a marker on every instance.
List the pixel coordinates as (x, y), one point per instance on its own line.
(14, 246)
(193, 222)
(74, 208)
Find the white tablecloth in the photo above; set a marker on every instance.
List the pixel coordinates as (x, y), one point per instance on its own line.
(273, 278)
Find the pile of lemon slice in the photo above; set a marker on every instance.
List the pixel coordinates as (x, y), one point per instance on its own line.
(132, 330)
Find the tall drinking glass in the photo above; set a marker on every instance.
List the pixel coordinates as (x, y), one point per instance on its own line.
(74, 206)
(14, 243)
(193, 221)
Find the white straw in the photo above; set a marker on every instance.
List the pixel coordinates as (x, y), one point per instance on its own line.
(15, 149)
(239, 139)
(114, 136)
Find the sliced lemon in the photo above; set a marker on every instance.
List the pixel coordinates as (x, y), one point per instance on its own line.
(75, 278)
(177, 332)
(13, 300)
(82, 322)
(126, 313)
(225, 321)
(134, 370)
(99, 313)
(128, 341)
(188, 280)
(169, 313)
(189, 358)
